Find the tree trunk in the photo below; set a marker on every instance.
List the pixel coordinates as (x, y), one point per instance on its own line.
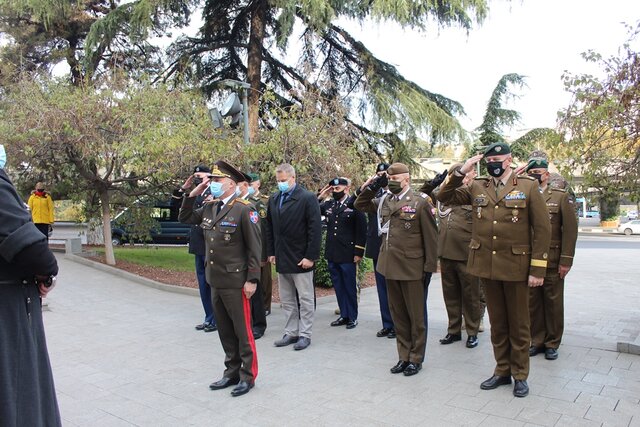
(106, 227)
(254, 64)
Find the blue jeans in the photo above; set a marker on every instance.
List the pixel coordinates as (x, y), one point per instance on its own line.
(205, 290)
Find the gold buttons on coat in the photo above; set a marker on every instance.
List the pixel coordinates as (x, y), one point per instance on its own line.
(495, 222)
(494, 252)
(496, 206)
(494, 238)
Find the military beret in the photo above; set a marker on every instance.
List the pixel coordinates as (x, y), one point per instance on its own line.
(497, 149)
(338, 181)
(397, 168)
(201, 168)
(254, 176)
(382, 167)
(537, 164)
(224, 169)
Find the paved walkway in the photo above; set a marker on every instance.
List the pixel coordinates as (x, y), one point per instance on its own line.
(124, 354)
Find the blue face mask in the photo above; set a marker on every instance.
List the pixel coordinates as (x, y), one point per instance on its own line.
(283, 186)
(252, 191)
(216, 189)
(3, 157)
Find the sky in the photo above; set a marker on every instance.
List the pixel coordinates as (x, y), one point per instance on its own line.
(540, 39)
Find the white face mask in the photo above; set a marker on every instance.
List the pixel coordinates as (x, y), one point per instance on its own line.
(3, 157)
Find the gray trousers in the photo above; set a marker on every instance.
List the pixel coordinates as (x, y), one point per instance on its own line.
(298, 322)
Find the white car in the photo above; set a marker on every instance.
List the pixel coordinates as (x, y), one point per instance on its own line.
(632, 215)
(629, 228)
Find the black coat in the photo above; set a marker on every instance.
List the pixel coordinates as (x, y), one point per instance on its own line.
(373, 240)
(27, 394)
(346, 231)
(196, 235)
(293, 231)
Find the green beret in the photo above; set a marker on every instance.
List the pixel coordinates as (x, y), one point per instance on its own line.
(497, 149)
(397, 168)
(537, 164)
(254, 176)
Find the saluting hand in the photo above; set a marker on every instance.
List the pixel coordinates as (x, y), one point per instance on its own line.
(520, 169)
(470, 163)
(249, 289)
(188, 183)
(357, 259)
(534, 282)
(200, 188)
(272, 260)
(324, 192)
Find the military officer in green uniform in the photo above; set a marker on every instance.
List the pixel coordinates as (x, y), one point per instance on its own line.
(408, 252)
(260, 202)
(508, 251)
(546, 303)
(460, 290)
(232, 238)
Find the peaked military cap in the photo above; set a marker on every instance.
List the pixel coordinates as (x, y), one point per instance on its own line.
(338, 181)
(224, 169)
(382, 167)
(202, 168)
(397, 168)
(497, 149)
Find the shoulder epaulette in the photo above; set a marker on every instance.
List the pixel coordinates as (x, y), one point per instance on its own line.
(243, 201)
(526, 177)
(481, 178)
(561, 190)
(425, 196)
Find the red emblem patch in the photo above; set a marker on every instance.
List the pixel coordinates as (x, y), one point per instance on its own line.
(254, 217)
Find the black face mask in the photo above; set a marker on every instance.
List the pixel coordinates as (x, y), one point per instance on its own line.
(197, 180)
(338, 195)
(495, 169)
(537, 176)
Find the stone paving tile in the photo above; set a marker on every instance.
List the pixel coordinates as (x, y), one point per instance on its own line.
(607, 416)
(570, 421)
(124, 354)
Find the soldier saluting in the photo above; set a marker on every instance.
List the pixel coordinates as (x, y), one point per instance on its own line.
(232, 238)
(508, 251)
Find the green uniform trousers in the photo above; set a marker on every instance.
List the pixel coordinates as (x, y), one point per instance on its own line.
(546, 311)
(508, 307)
(461, 292)
(406, 303)
(233, 315)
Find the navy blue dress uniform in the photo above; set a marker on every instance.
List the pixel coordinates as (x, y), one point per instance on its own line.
(346, 239)
(27, 392)
(196, 247)
(232, 239)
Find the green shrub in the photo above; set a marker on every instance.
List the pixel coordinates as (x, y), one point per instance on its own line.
(322, 278)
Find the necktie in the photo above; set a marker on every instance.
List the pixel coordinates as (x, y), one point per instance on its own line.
(283, 198)
(219, 208)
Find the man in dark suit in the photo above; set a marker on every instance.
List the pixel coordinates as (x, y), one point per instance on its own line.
(196, 245)
(232, 237)
(344, 247)
(293, 245)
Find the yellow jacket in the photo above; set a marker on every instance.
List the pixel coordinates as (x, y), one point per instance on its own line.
(41, 208)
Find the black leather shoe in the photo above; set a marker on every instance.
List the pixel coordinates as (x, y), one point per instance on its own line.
(400, 367)
(450, 338)
(412, 369)
(352, 324)
(472, 341)
(285, 341)
(257, 334)
(210, 328)
(224, 383)
(383, 332)
(341, 321)
(267, 312)
(520, 388)
(243, 387)
(392, 334)
(495, 382)
(551, 354)
(200, 326)
(533, 350)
